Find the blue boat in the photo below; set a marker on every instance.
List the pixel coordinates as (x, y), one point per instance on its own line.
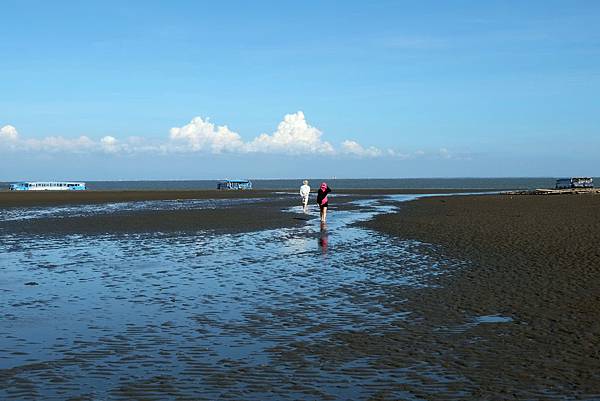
(48, 186)
(235, 184)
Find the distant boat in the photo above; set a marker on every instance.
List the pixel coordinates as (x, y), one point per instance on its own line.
(48, 186)
(575, 182)
(234, 184)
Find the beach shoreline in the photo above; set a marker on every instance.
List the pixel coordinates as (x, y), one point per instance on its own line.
(41, 198)
(219, 211)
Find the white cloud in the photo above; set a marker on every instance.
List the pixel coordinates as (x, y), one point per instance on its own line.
(108, 141)
(59, 144)
(110, 144)
(9, 136)
(293, 136)
(201, 134)
(356, 149)
(8, 132)
(444, 153)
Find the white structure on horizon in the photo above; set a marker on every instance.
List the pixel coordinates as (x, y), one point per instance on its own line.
(48, 186)
(574, 182)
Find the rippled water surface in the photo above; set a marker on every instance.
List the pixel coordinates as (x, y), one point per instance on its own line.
(36, 212)
(206, 316)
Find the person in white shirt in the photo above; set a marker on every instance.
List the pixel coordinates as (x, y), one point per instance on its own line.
(304, 192)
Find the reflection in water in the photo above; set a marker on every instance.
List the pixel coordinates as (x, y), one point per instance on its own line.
(323, 237)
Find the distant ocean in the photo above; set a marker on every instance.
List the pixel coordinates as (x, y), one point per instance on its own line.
(400, 183)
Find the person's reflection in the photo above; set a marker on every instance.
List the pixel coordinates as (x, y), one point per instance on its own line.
(323, 237)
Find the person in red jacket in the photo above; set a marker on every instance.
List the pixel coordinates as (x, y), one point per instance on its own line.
(323, 201)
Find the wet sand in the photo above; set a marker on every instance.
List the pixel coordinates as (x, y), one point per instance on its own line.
(33, 198)
(260, 210)
(532, 259)
(253, 216)
(247, 212)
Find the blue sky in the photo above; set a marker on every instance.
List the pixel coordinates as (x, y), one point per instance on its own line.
(105, 90)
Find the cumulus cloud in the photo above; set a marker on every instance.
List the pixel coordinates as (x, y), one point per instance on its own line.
(9, 133)
(293, 136)
(356, 149)
(110, 144)
(10, 138)
(201, 134)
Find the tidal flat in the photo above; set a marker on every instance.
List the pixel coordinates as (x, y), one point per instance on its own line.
(249, 298)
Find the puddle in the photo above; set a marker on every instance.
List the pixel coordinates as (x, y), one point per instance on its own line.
(166, 316)
(476, 321)
(493, 319)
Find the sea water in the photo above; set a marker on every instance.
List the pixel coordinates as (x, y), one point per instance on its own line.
(404, 183)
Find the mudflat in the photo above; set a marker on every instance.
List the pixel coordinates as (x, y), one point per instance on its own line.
(221, 211)
(35, 198)
(41, 198)
(522, 319)
(486, 297)
(229, 211)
